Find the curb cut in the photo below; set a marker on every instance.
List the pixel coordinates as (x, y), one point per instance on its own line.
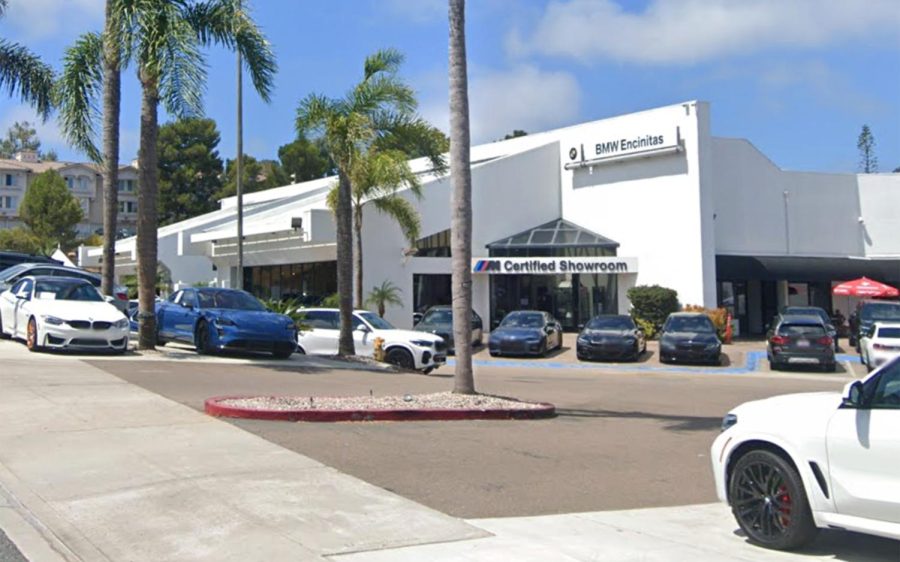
(214, 407)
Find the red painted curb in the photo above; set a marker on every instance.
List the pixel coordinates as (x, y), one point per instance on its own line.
(213, 407)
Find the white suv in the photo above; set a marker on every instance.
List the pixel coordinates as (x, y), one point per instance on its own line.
(790, 464)
(404, 348)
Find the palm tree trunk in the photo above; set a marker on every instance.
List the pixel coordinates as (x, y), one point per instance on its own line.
(358, 255)
(111, 102)
(148, 177)
(460, 202)
(344, 217)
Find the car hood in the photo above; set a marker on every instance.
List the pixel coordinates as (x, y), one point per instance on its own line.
(700, 337)
(609, 333)
(405, 335)
(810, 407)
(76, 310)
(517, 333)
(443, 330)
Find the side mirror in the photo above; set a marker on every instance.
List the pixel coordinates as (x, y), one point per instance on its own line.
(853, 395)
(548, 329)
(362, 328)
(187, 305)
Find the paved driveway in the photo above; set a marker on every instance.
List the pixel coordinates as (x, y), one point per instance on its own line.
(621, 441)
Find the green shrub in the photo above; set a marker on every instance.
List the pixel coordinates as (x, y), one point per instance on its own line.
(718, 316)
(331, 301)
(652, 304)
(647, 327)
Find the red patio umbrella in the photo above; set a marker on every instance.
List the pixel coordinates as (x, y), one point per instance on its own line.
(864, 287)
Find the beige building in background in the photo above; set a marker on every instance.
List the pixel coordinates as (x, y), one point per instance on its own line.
(84, 181)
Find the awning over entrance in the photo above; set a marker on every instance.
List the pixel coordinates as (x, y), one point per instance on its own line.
(555, 234)
(805, 268)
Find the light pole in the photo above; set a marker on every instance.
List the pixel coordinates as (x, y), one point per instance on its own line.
(238, 170)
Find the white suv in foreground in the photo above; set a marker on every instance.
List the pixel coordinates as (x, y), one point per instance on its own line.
(411, 350)
(790, 464)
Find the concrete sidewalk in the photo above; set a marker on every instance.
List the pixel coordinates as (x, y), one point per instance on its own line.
(104, 470)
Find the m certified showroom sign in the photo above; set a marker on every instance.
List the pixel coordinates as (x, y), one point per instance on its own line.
(553, 266)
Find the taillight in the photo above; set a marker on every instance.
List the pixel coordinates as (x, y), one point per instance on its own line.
(779, 340)
(825, 340)
(122, 296)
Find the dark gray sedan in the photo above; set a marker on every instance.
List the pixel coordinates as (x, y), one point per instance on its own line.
(689, 337)
(611, 337)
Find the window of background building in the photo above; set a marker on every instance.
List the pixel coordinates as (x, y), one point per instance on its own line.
(309, 283)
(8, 202)
(434, 246)
(9, 180)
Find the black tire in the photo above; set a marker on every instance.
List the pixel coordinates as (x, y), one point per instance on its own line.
(32, 337)
(830, 367)
(282, 353)
(401, 358)
(769, 503)
(201, 338)
(637, 354)
(427, 371)
(160, 342)
(301, 351)
(774, 365)
(494, 354)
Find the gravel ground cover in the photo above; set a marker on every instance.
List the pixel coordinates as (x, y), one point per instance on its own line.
(434, 401)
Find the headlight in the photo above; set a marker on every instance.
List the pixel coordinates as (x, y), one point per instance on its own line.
(712, 346)
(728, 421)
(290, 326)
(629, 339)
(123, 323)
(582, 339)
(224, 322)
(54, 321)
(422, 343)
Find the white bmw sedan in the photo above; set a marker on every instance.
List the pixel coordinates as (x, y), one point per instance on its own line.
(792, 464)
(61, 313)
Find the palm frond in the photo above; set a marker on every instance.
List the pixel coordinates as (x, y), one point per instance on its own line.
(2, 7)
(331, 198)
(381, 173)
(23, 75)
(223, 23)
(381, 92)
(413, 136)
(384, 60)
(78, 91)
(313, 114)
(183, 72)
(403, 212)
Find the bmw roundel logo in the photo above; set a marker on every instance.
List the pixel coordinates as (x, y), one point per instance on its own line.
(573, 153)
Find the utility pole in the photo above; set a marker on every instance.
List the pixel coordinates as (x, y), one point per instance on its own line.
(238, 170)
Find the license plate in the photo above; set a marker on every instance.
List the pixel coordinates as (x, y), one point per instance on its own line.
(803, 360)
(440, 358)
(802, 343)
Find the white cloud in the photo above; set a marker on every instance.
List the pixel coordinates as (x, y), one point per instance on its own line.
(41, 19)
(524, 97)
(689, 31)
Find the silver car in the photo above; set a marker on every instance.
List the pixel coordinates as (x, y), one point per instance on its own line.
(10, 275)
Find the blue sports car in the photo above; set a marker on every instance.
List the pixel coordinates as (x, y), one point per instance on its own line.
(219, 319)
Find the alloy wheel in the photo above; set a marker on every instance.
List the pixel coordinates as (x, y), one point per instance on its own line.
(762, 502)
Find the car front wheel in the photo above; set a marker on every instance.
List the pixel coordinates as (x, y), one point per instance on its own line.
(769, 503)
(401, 358)
(31, 336)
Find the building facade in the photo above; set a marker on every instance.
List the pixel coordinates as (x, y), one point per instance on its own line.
(85, 182)
(568, 220)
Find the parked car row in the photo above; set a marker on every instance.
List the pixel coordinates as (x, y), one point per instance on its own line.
(12, 274)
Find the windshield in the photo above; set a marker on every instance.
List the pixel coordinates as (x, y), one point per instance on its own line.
(375, 321)
(611, 323)
(12, 271)
(65, 290)
(880, 311)
(810, 330)
(689, 324)
(889, 333)
(808, 311)
(441, 316)
(234, 300)
(523, 320)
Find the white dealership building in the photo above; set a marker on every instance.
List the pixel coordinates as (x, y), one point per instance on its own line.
(568, 220)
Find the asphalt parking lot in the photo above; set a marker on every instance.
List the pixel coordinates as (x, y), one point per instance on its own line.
(622, 439)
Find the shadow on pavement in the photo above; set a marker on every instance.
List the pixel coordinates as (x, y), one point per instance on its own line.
(846, 545)
(677, 423)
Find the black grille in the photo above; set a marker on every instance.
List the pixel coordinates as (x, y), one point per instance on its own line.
(102, 325)
(80, 324)
(513, 346)
(440, 345)
(89, 342)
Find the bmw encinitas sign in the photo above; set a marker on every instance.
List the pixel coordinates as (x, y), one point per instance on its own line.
(553, 266)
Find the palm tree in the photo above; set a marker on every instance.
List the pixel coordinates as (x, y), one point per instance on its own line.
(460, 201)
(380, 174)
(383, 295)
(23, 74)
(350, 126)
(90, 64)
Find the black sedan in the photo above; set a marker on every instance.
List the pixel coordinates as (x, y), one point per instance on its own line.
(689, 337)
(525, 332)
(438, 320)
(611, 336)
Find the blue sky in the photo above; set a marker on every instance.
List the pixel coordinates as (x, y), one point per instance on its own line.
(798, 78)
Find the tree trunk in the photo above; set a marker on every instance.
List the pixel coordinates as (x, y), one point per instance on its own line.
(358, 255)
(111, 101)
(344, 217)
(148, 176)
(460, 202)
